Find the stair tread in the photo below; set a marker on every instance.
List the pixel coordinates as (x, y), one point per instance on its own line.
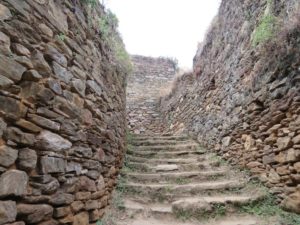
(211, 184)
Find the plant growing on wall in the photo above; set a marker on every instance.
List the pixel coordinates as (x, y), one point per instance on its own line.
(108, 26)
(267, 26)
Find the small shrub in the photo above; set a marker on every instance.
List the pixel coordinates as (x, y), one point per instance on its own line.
(108, 25)
(265, 30)
(61, 37)
(90, 2)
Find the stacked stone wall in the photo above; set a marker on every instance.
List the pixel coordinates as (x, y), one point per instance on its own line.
(150, 75)
(245, 99)
(62, 113)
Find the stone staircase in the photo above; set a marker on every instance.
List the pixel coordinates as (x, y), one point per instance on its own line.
(170, 180)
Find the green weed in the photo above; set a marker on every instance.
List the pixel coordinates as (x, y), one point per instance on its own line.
(61, 37)
(270, 208)
(182, 181)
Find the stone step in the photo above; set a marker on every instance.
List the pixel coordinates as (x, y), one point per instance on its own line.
(160, 142)
(159, 148)
(154, 161)
(203, 209)
(209, 204)
(175, 177)
(173, 190)
(168, 220)
(163, 154)
(148, 167)
(151, 138)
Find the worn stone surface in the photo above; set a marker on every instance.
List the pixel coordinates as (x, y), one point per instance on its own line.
(53, 142)
(8, 209)
(52, 122)
(34, 213)
(13, 183)
(27, 159)
(52, 165)
(7, 156)
(81, 219)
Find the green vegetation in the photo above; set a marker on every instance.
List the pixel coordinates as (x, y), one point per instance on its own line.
(267, 27)
(219, 210)
(90, 2)
(183, 214)
(270, 208)
(108, 25)
(182, 181)
(61, 37)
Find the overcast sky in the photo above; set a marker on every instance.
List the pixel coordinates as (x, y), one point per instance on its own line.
(169, 28)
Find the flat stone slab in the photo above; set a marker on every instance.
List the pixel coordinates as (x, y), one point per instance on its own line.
(165, 168)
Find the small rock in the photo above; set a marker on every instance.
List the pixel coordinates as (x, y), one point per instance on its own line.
(40, 64)
(5, 82)
(86, 184)
(78, 86)
(284, 143)
(13, 183)
(16, 135)
(100, 183)
(81, 219)
(12, 108)
(273, 177)
(82, 196)
(81, 151)
(8, 156)
(61, 73)
(226, 142)
(92, 85)
(49, 222)
(4, 44)
(3, 126)
(8, 209)
(28, 126)
(21, 50)
(27, 159)
(74, 167)
(55, 86)
(292, 202)
(91, 204)
(46, 30)
(52, 165)
(62, 212)
(60, 199)
(77, 206)
(11, 69)
(52, 54)
(161, 168)
(297, 166)
(4, 13)
(47, 186)
(95, 215)
(31, 75)
(34, 213)
(52, 142)
(296, 140)
(44, 122)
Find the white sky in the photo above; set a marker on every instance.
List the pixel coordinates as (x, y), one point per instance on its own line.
(169, 28)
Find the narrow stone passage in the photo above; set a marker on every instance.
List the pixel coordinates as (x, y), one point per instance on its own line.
(172, 180)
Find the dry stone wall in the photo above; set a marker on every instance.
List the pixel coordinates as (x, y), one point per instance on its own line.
(62, 113)
(150, 75)
(245, 102)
